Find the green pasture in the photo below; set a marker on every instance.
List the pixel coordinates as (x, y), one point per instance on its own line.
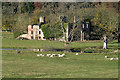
(85, 65)
(9, 42)
(29, 65)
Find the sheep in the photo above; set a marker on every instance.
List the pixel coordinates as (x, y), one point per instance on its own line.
(77, 54)
(42, 55)
(51, 56)
(106, 56)
(61, 55)
(48, 54)
(38, 55)
(58, 54)
(54, 54)
(116, 58)
(111, 59)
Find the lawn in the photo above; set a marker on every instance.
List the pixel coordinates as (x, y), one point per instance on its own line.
(85, 65)
(28, 65)
(9, 42)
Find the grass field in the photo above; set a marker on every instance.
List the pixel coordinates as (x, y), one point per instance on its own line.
(9, 42)
(28, 65)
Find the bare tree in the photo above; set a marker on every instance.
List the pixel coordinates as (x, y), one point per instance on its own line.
(71, 33)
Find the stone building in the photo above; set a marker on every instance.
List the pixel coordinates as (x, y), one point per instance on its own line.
(35, 32)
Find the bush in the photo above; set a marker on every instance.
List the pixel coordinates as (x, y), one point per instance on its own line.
(54, 31)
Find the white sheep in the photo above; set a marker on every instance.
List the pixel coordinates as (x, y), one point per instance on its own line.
(51, 56)
(106, 56)
(42, 55)
(48, 54)
(111, 59)
(58, 55)
(116, 58)
(38, 55)
(54, 54)
(61, 55)
(77, 54)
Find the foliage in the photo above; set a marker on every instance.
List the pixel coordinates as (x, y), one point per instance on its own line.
(21, 24)
(103, 16)
(11, 9)
(54, 31)
(34, 17)
(46, 30)
(106, 19)
(8, 20)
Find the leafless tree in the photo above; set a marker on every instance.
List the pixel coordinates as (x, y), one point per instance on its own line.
(72, 31)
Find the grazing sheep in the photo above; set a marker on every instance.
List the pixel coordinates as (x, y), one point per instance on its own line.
(111, 59)
(48, 54)
(77, 54)
(42, 55)
(106, 56)
(54, 54)
(38, 55)
(116, 58)
(51, 56)
(61, 55)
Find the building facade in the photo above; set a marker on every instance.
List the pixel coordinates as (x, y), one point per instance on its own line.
(35, 32)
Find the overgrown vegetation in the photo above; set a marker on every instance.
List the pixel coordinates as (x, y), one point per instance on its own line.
(102, 16)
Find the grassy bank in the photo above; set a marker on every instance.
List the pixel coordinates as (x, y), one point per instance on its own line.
(9, 42)
(28, 65)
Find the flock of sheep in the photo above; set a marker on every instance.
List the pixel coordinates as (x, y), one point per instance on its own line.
(111, 58)
(63, 55)
(52, 55)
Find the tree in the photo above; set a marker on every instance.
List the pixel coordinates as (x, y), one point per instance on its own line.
(8, 13)
(106, 19)
(22, 22)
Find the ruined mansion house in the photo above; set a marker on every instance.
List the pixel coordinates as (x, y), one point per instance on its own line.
(34, 32)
